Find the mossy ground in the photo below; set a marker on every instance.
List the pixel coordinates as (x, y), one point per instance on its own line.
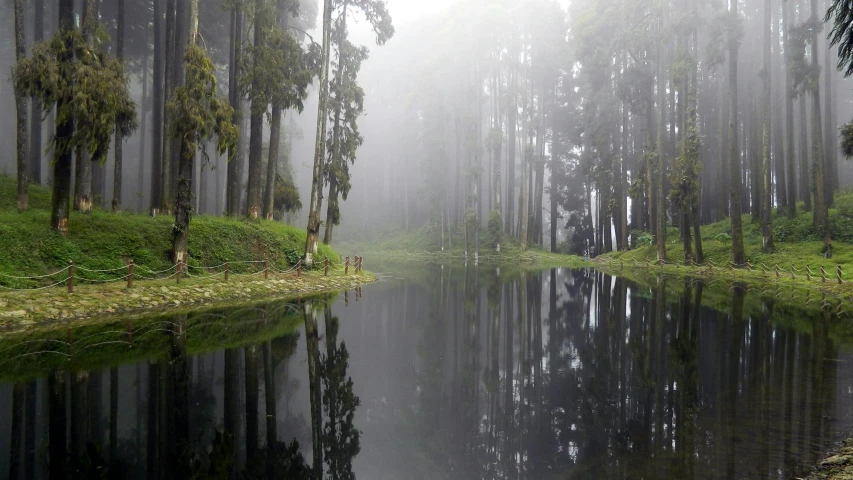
(796, 242)
(836, 466)
(29, 308)
(102, 240)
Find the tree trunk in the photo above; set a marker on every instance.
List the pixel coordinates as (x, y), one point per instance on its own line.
(183, 207)
(21, 114)
(318, 176)
(167, 199)
(789, 117)
(36, 107)
(233, 183)
(157, 110)
(119, 140)
(766, 139)
(272, 164)
(256, 129)
(821, 212)
(60, 201)
(333, 209)
(512, 127)
(143, 125)
(738, 255)
(660, 227)
(830, 156)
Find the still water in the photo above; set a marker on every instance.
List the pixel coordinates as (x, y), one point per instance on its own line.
(442, 374)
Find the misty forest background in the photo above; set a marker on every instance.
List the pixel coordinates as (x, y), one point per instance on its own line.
(587, 125)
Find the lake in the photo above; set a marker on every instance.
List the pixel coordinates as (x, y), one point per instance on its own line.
(441, 373)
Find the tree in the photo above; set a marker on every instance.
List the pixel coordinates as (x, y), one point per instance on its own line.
(276, 72)
(90, 91)
(157, 107)
(21, 113)
(734, 38)
(198, 115)
(235, 164)
(118, 140)
(347, 104)
(36, 110)
(766, 140)
(377, 15)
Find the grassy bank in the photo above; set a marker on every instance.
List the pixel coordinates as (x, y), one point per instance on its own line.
(102, 240)
(38, 307)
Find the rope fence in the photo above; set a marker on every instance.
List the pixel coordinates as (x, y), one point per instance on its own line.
(73, 274)
(838, 275)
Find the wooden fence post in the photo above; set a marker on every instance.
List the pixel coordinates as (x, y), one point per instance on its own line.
(266, 269)
(838, 272)
(130, 274)
(70, 276)
(346, 268)
(326, 272)
(299, 268)
(180, 270)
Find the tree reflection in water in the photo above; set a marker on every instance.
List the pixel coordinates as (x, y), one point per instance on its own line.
(468, 374)
(208, 416)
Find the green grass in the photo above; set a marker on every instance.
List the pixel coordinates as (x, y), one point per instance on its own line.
(796, 241)
(102, 240)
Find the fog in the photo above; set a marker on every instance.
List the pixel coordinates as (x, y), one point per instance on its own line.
(541, 112)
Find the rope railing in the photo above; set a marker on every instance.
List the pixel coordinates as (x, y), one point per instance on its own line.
(75, 274)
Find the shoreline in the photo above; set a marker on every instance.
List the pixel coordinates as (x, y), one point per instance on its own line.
(25, 308)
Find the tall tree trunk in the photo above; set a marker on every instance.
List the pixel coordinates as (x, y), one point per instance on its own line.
(660, 227)
(233, 184)
(272, 164)
(36, 107)
(789, 116)
(821, 212)
(805, 169)
(766, 138)
(119, 140)
(188, 18)
(512, 127)
(143, 132)
(723, 166)
(318, 176)
(21, 114)
(830, 150)
(333, 209)
(157, 110)
(738, 255)
(256, 122)
(167, 199)
(60, 199)
(83, 182)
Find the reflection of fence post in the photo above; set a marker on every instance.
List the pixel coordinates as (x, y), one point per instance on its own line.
(226, 270)
(266, 269)
(180, 270)
(299, 268)
(822, 274)
(326, 271)
(130, 274)
(839, 273)
(70, 276)
(346, 268)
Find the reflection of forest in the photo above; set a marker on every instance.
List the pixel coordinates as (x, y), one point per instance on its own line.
(580, 375)
(462, 374)
(219, 416)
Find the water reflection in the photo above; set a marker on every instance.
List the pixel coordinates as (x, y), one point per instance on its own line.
(451, 373)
